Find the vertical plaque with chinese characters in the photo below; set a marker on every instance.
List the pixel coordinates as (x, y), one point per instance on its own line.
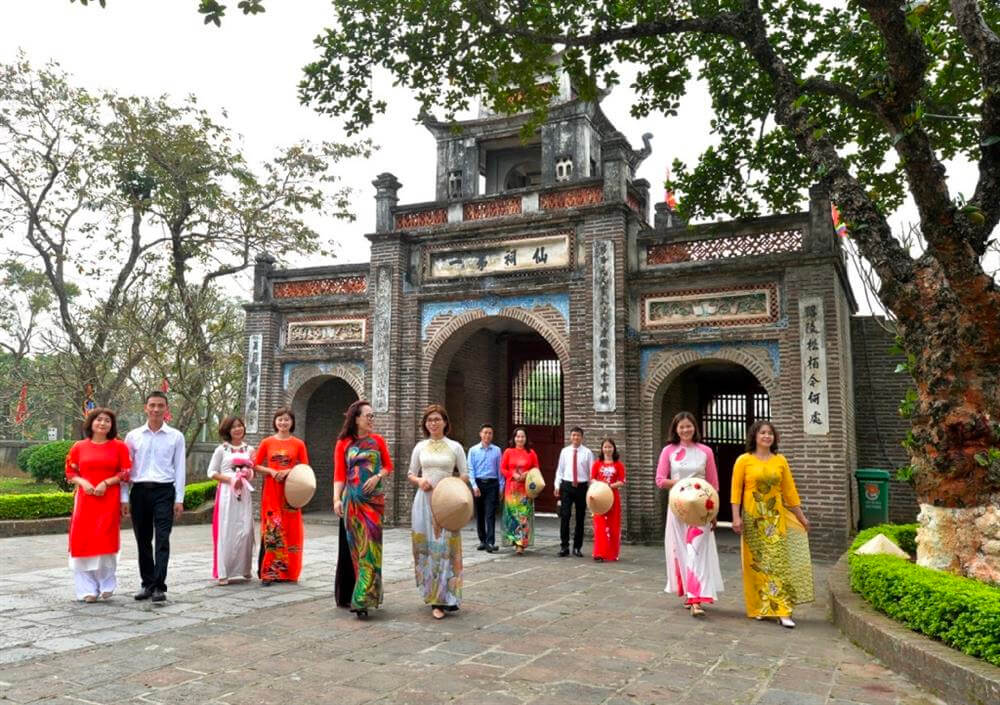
(252, 415)
(815, 387)
(380, 339)
(604, 325)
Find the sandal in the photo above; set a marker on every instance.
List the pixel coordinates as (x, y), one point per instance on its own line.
(697, 611)
(223, 581)
(786, 622)
(438, 613)
(107, 595)
(90, 598)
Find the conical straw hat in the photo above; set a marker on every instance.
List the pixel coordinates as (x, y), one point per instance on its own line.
(534, 483)
(600, 497)
(694, 501)
(300, 486)
(880, 543)
(451, 503)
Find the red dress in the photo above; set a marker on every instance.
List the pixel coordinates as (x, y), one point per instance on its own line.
(282, 533)
(95, 528)
(608, 527)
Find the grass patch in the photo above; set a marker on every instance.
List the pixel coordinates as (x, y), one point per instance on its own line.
(26, 485)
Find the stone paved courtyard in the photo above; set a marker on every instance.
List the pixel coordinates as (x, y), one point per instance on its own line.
(538, 629)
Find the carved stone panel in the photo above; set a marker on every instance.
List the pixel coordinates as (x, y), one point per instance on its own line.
(332, 331)
(815, 383)
(746, 305)
(380, 339)
(308, 288)
(252, 414)
(604, 325)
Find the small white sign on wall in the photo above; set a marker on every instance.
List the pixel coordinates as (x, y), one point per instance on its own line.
(815, 387)
(53, 433)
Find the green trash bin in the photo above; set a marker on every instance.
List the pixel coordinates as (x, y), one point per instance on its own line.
(873, 493)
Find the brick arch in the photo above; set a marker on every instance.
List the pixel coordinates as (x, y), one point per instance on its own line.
(667, 366)
(438, 351)
(305, 379)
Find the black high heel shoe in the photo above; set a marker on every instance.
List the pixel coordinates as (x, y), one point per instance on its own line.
(361, 614)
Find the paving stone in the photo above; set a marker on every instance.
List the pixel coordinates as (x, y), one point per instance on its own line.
(774, 696)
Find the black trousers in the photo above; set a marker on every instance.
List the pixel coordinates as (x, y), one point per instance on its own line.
(486, 510)
(570, 497)
(152, 507)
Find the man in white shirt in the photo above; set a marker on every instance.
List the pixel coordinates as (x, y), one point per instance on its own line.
(155, 494)
(570, 488)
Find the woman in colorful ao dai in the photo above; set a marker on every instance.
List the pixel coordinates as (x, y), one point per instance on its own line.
(608, 526)
(360, 462)
(96, 465)
(518, 508)
(281, 527)
(232, 520)
(437, 552)
(777, 569)
(692, 559)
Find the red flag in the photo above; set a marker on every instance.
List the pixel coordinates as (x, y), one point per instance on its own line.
(165, 387)
(22, 406)
(839, 227)
(668, 197)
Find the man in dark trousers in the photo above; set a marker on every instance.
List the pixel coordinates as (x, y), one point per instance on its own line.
(155, 493)
(570, 488)
(485, 478)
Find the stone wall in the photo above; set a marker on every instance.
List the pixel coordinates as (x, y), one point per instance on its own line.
(877, 393)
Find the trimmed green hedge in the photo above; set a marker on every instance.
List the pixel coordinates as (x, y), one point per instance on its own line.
(961, 612)
(25, 455)
(44, 506)
(48, 463)
(36, 506)
(198, 493)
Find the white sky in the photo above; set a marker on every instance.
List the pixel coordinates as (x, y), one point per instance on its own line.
(251, 67)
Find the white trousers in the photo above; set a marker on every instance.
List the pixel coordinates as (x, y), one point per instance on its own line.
(94, 575)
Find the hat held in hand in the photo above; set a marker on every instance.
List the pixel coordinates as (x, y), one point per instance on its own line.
(694, 501)
(451, 503)
(534, 483)
(300, 486)
(600, 497)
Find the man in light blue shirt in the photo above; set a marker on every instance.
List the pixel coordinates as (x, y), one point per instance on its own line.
(155, 493)
(487, 484)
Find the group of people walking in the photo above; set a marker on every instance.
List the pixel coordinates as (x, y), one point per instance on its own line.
(149, 468)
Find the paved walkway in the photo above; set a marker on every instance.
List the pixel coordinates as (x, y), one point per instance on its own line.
(538, 629)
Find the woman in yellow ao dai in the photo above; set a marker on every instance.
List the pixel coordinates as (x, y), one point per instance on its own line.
(777, 571)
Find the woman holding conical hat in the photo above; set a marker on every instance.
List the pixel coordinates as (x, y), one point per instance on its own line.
(693, 571)
(281, 527)
(437, 552)
(360, 462)
(608, 526)
(518, 506)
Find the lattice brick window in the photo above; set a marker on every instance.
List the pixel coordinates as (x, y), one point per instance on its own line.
(767, 243)
(571, 198)
(308, 288)
(421, 219)
(495, 208)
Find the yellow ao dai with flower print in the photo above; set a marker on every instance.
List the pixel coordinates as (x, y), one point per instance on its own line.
(776, 573)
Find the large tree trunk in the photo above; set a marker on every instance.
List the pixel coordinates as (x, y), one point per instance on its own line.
(954, 341)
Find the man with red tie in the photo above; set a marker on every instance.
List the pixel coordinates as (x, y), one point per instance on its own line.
(570, 488)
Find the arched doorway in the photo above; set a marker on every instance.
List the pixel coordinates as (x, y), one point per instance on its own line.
(323, 406)
(725, 398)
(499, 370)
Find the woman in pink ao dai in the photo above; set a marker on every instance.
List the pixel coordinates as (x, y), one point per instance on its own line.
(692, 559)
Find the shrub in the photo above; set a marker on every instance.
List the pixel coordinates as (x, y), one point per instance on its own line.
(43, 506)
(197, 494)
(48, 463)
(25, 454)
(36, 506)
(961, 612)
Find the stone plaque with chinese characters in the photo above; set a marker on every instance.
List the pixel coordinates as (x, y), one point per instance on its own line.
(815, 387)
(252, 413)
(514, 256)
(708, 307)
(336, 331)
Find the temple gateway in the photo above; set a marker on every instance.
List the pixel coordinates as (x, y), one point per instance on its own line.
(535, 291)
